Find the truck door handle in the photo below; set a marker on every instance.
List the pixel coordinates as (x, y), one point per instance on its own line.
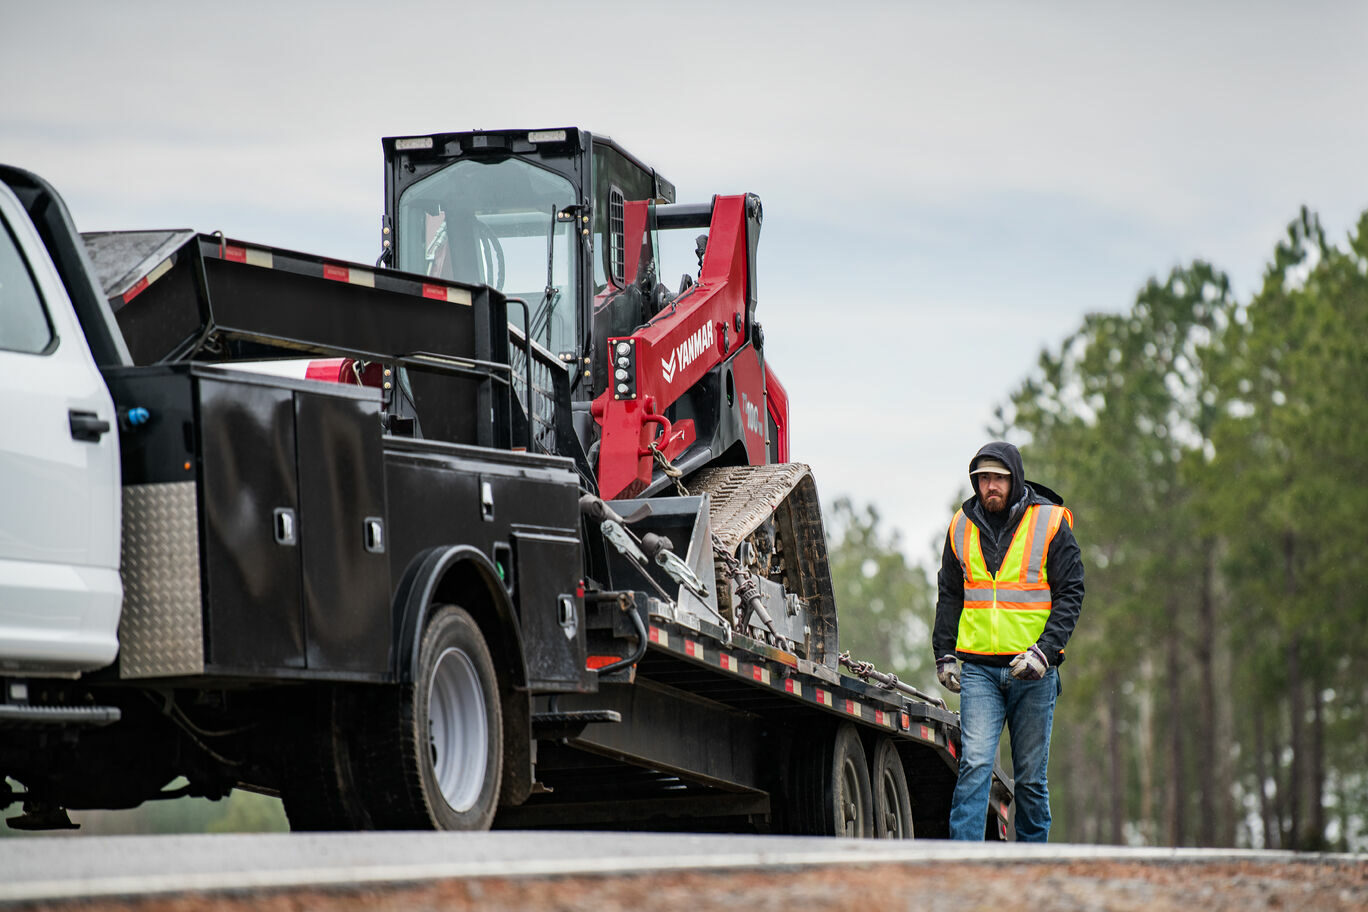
(86, 426)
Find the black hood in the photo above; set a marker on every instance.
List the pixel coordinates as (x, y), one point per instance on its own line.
(1011, 457)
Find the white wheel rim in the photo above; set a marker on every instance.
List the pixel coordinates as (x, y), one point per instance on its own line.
(892, 818)
(852, 812)
(458, 735)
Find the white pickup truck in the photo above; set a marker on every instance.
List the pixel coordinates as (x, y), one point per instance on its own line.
(60, 590)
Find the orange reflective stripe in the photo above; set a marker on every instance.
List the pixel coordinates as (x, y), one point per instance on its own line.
(1026, 601)
(1022, 587)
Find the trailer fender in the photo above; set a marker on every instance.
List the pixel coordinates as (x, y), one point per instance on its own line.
(458, 575)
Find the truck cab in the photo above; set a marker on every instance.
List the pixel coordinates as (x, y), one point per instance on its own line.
(60, 590)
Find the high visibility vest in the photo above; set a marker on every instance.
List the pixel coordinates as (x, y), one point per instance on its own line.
(1005, 614)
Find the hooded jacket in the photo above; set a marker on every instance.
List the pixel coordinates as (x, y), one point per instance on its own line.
(1063, 563)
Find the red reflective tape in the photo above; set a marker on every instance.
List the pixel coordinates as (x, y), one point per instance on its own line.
(435, 291)
(693, 649)
(793, 687)
(726, 661)
(656, 634)
(852, 708)
(950, 746)
(926, 733)
(336, 273)
(906, 721)
(135, 290)
(878, 717)
(599, 661)
(757, 673)
(235, 254)
(1002, 809)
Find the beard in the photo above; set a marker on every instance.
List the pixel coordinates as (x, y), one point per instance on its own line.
(995, 503)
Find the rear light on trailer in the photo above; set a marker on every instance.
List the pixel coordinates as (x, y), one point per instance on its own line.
(328, 370)
(348, 371)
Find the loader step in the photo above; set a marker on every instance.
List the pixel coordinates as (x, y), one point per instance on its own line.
(553, 725)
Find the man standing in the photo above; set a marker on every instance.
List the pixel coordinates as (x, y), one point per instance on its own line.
(1011, 586)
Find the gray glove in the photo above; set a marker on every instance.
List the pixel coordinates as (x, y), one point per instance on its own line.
(1031, 665)
(947, 672)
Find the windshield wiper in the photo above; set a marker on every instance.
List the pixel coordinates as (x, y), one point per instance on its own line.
(552, 294)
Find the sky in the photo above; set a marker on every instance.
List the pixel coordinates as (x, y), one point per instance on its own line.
(948, 188)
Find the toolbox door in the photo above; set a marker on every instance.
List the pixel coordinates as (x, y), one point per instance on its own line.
(346, 536)
(551, 615)
(252, 530)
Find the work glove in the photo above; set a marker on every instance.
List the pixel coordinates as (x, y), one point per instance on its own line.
(947, 672)
(1031, 665)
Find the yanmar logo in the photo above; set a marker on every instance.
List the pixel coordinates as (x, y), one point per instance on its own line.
(685, 353)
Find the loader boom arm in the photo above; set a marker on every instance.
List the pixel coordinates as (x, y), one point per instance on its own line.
(704, 327)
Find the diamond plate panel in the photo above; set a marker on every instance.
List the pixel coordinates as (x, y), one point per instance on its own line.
(161, 632)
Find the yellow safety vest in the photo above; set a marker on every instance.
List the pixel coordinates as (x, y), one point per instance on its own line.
(1005, 614)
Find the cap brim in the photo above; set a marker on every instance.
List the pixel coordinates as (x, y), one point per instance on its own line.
(994, 470)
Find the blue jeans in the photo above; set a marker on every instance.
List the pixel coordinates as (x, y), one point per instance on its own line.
(989, 697)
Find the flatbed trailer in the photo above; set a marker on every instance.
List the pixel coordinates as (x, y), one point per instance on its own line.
(393, 605)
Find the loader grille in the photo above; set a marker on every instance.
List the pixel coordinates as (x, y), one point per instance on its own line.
(617, 231)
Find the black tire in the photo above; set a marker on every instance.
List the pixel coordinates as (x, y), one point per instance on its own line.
(441, 765)
(829, 793)
(318, 791)
(892, 799)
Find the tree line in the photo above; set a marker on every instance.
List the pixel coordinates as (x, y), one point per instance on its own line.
(1215, 455)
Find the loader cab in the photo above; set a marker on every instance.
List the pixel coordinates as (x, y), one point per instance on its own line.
(537, 215)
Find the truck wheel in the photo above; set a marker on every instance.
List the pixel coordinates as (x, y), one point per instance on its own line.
(830, 793)
(892, 800)
(449, 738)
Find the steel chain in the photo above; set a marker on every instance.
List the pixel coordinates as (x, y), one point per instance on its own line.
(671, 471)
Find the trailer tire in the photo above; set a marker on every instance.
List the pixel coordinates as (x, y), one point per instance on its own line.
(830, 793)
(444, 768)
(892, 799)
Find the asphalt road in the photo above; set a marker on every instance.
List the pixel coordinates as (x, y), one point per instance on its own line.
(74, 867)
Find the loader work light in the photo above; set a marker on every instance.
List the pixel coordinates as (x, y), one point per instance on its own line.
(622, 357)
(413, 142)
(540, 136)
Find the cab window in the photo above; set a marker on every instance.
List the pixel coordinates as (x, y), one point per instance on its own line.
(616, 180)
(498, 223)
(24, 325)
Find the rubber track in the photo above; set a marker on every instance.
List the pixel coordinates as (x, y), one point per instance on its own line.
(743, 497)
